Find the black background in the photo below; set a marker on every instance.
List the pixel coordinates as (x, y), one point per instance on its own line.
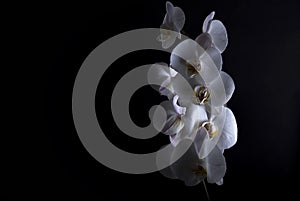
(262, 57)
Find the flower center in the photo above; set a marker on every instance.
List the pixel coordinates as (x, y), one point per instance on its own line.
(202, 95)
(211, 129)
(199, 171)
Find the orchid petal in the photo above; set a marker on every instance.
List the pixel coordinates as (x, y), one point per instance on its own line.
(228, 137)
(220, 182)
(178, 19)
(228, 85)
(217, 90)
(208, 145)
(188, 51)
(160, 74)
(213, 58)
(219, 35)
(165, 158)
(183, 167)
(183, 89)
(195, 115)
(169, 7)
(166, 89)
(207, 21)
(204, 40)
(215, 166)
(201, 139)
(170, 40)
(211, 64)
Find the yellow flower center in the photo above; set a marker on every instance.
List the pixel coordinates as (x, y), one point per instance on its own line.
(202, 95)
(211, 129)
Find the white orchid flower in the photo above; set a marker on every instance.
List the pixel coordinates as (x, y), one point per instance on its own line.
(221, 89)
(212, 95)
(172, 25)
(190, 59)
(198, 124)
(192, 170)
(194, 115)
(214, 34)
(219, 130)
(170, 82)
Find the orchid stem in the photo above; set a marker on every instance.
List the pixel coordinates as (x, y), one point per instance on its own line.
(207, 195)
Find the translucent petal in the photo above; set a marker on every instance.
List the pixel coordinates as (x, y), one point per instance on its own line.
(166, 25)
(212, 58)
(208, 145)
(204, 40)
(184, 166)
(211, 63)
(164, 158)
(201, 139)
(160, 74)
(213, 111)
(217, 89)
(195, 115)
(188, 50)
(169, 7)
(174, 18)
(158, 115)
(215, 166)
(219, 35)
(178, 64)
(166, 89)
(228, 137)
(220, 182)
(207, 21)
(167, 172)
(228, 84)
(183, 89)
(185, 53)
(178, 19)
(168, 40)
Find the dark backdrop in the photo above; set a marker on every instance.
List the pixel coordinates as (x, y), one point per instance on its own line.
(262, 57)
